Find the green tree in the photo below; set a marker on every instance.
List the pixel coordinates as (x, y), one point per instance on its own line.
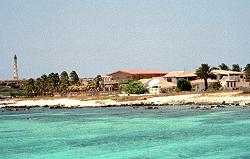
(204, 72)
(42, 85)
(53, 83)
(74, 79)
(236, 67)
(64, 77)
(183, 85)
(98, 82)
(247, 72)
(64, 81)
(223, 67)
(133, 87)
(29, 86)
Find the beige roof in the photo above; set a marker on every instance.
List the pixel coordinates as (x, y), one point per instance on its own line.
(173, 74)
(198, 81)
(166, 84)
(225, 72)
(181, 74)
(160, 82)
(187, 74)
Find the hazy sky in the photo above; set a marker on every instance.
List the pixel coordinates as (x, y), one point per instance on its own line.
(98, 37)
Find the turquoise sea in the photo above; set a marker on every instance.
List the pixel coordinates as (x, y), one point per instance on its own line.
(125, 133)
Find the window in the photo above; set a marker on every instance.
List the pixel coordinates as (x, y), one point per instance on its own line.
(231, 84)
(227, 84)
(234, 84)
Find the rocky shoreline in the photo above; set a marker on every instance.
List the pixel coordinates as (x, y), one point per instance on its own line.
(198, 101)
(203, 106)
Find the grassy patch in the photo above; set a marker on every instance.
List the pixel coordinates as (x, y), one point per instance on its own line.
(8, 91)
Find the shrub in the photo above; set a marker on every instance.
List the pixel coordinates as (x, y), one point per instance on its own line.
(183, 85)
(216, 85)
(133, 87)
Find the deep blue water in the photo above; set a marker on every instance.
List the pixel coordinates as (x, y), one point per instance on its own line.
(121, 133)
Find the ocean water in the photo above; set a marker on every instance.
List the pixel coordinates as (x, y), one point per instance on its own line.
(126, 133)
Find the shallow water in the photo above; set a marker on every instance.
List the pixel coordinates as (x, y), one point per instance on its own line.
(117, 133)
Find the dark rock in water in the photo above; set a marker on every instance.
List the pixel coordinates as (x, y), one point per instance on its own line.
(247, 104)
(189, 103)
(206, 108)
(236, 103)
(197, 107)
(29, 118)
(107, 106)
(46, 106)
(151, 107)
(55, 107)
(220, 106)
(224, 103)
(135, 107)
(212, 106)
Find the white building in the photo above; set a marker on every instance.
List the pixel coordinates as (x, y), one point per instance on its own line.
(158, 85)
(231, 79)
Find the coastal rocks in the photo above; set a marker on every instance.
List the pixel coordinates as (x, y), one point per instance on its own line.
(208, 107)
(151, 107)
(17, 108)
(225, 103)
(247, 104)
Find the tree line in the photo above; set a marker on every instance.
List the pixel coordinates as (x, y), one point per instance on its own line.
(48, 85)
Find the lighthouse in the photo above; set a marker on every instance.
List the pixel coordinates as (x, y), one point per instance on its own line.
(15, 70)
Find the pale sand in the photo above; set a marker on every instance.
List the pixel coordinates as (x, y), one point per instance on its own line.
(208, 98)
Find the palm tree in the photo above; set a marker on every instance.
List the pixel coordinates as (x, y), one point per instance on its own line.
(53, 82)
(236, 67)
(64, 81)
(74, 79)
(98, 82)
(30, 87)
(247, 72)
(204, 72)
(223, 67)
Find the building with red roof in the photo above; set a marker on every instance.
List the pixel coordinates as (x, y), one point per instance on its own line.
(124, 76)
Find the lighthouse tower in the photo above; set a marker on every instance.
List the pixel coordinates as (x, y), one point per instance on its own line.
(15, 70)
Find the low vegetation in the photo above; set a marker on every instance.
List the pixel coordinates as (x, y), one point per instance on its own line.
(133, 87)
(8, 91)
(184, 85)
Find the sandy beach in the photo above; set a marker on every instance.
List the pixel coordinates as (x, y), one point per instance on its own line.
(228, 98)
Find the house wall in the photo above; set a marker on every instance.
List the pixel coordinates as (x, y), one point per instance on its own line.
(121, 77)
(155, 90)
(233, 82)
(171, 79)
